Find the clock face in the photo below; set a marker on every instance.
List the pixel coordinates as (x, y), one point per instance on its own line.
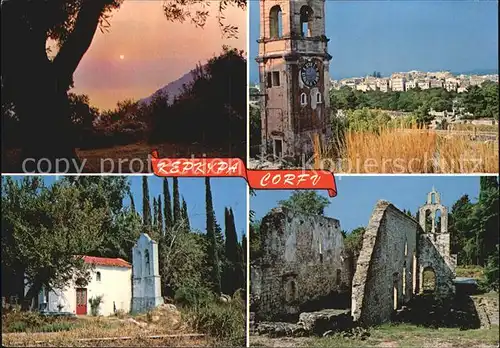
(310, 74)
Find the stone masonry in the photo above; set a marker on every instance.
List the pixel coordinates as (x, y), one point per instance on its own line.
(438, 234)
(292, 33)
(386, 268)
(303, 258)
(302, 261)
(392, 261)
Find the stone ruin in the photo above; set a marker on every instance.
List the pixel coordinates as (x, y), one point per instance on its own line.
(146, 282)
(302, 262)
(305, 276)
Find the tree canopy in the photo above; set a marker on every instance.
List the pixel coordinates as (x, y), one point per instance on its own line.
(306, 201)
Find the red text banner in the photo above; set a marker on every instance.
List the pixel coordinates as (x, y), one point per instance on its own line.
(296, 179)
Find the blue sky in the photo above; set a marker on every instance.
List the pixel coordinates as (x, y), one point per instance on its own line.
(226, 192)
(390, 36)
(357, 195)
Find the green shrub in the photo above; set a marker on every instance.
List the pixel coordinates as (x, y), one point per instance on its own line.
(193, 297)
(95, 303)
(34, 322)
(17, 326)
(16, 320)
(56, 326)
(223, 322)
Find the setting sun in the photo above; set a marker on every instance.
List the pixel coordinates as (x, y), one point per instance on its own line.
(122, 57)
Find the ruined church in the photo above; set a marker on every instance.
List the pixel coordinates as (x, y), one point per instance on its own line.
(304, 265)
(293, 72)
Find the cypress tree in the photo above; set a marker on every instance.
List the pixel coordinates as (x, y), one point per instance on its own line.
(177, 205)
(244, 248)
(185, 215)
(168, 205)
(212, 255)
(244, 260)
(232, 276)
(155, 213)
(239, 265)
(160, 216)
(146, 208)
(132, 203)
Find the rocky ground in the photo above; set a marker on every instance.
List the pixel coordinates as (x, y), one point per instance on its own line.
(473, 324)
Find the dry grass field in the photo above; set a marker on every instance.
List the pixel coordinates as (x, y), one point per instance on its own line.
(413, 151)
(163, 326)
(132, 158)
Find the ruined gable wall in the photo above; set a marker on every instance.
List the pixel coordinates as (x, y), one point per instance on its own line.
(429, 256)
(382, 263)
(291, 245)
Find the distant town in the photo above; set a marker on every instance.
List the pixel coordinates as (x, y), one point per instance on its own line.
(403, 81)
(435, 109)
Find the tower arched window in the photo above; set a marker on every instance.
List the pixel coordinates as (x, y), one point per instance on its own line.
(318, 97)
(146, 257)
(303, 99)
(433, 198)
(276, 22)
(306, 17)
(98, 276)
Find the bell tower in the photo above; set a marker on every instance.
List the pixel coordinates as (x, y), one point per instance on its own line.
(293, 71)
(433, 219)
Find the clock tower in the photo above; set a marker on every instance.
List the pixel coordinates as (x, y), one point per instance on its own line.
(293, 71)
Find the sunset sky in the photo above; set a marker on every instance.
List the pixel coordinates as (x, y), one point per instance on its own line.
(143, 51)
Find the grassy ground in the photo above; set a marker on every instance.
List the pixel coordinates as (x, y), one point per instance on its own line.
(403, 335)
(470, 271)
(110, 158)
(217, 324)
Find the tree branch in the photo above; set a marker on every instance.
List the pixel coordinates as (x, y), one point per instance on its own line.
(79, 41)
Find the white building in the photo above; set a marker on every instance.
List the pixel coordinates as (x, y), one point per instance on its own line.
(411, 84)
(436, 83)
(383, 84)
(398, 84)
(425, 84)
(110, 278)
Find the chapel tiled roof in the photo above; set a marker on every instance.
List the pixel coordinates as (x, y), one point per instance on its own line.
(106, 261)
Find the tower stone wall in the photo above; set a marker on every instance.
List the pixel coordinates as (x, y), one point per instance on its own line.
(146, 282)
(438, 233)
(293, 71)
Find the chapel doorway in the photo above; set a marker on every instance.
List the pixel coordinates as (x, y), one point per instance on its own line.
(81, 301)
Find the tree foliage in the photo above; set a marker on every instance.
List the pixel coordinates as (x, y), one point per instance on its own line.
(480, 101)
(45, 228)
(233, 272)
(212, 254)
(474, 228)
(306, 201)
(146, 208)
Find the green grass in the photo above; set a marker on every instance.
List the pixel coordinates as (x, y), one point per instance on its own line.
(405, 335)
(470, 271)
(20, 326)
